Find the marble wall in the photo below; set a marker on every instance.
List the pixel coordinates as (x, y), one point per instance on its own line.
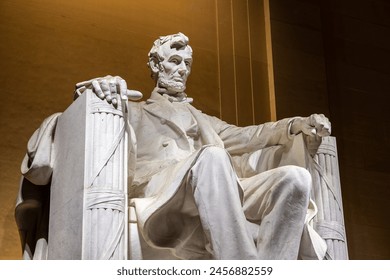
(332, 56)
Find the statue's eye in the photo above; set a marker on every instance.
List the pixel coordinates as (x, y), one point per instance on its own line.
(175, 61)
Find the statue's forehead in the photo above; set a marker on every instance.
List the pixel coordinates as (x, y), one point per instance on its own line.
(184, 52)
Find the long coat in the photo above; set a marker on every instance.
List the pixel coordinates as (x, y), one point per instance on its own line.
(165, 154)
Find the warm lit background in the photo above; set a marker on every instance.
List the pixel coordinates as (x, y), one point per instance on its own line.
(252, 64)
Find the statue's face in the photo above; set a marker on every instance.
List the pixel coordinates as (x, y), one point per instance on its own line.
(175, 69)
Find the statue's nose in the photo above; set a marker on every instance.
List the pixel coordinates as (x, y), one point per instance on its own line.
(182, 71)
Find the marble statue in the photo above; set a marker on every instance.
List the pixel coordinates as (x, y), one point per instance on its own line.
(198, 187)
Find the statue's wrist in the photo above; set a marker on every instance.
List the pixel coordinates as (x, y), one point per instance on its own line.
(296, 126)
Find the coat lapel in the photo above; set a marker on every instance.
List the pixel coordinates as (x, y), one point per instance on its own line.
(159, 106)
(206, 131)
(162, 108)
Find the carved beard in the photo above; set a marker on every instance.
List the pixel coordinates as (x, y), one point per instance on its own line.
(172, 86)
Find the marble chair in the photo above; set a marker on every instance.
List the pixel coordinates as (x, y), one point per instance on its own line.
(90, 216)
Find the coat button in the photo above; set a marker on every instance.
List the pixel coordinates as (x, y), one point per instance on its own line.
(165, 144)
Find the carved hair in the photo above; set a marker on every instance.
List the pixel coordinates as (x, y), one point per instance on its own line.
(177, 41)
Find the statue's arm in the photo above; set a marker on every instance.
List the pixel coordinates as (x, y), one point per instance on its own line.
(240, 140)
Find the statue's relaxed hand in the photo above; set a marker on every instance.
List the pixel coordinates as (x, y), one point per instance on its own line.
(108, 88)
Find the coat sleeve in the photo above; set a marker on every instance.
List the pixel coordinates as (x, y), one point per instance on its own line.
(241, 140)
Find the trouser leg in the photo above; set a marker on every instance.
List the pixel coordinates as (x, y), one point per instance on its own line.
(277, 201)
(217, 196)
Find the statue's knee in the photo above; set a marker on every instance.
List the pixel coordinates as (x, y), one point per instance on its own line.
(297, 180)
(215, 154)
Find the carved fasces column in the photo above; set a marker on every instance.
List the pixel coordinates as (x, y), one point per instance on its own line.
(105, 203)
(326, 191)
(88, 203)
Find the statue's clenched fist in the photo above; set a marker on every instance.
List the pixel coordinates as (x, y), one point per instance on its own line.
(316, 124)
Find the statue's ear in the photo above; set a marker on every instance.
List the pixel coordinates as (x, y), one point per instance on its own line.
(154, 65)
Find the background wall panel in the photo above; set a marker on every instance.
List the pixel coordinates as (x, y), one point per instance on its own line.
(332, 57)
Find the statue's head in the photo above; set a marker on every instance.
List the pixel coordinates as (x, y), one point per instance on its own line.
(170, 61)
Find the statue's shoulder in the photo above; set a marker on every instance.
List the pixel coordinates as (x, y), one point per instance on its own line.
(136, 104)
(135, 111)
